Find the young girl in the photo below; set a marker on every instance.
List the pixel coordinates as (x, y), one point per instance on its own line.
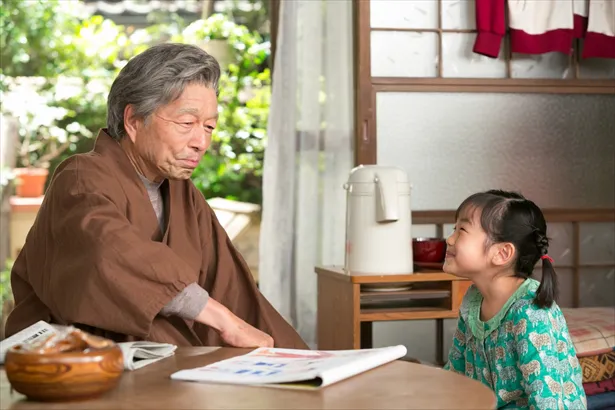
(511, 335)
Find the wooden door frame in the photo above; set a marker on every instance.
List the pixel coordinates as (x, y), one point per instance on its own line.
(365, 95)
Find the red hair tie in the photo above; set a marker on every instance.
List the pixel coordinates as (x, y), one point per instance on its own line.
(543, 257)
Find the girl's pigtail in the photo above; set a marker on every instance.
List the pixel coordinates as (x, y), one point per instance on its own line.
(547, 291)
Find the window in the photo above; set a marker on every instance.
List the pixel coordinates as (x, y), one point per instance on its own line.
(434, 39)
(426, 46)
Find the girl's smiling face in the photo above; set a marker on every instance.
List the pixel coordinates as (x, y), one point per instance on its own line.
(467, 251)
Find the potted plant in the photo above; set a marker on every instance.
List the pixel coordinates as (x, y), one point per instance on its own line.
(47, 128)
(213, 35)
(30, 182)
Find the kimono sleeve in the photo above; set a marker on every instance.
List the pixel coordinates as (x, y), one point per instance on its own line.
(230, 282)
(457, 354)
(102, 272)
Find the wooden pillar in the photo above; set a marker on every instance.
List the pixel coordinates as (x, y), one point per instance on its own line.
(207, 9)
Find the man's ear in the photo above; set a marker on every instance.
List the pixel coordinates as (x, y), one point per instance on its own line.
(504, 254)
(131, 122)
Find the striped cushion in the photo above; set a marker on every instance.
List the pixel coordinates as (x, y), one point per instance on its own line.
(598, 368)
(592, 330)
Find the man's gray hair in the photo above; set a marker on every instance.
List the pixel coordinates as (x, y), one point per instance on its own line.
(157, 77)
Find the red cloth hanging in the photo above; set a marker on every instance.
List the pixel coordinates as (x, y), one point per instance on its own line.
(544, 26)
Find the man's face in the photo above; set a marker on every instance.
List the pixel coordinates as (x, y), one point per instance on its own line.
(173, 140)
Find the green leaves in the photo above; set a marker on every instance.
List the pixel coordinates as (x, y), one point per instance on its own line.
(5, 283)
(35, 37)
(71, 60)
(233, 166)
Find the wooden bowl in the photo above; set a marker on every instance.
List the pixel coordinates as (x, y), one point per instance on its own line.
(64, 376)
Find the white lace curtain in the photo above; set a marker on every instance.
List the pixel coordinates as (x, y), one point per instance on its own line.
(308, 157)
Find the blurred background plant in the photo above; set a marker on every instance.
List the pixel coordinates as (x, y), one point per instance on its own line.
(5, 282)
(58, 62)
(6, 294)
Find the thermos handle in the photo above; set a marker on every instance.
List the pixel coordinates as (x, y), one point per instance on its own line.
(387, 209)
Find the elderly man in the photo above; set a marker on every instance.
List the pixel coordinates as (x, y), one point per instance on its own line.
(124, 245)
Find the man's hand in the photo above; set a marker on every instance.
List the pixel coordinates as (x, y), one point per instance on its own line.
(241, 334)
(232, 329)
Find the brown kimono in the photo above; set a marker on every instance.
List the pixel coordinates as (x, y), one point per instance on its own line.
(96, 258)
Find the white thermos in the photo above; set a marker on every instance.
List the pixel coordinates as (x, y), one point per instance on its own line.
(378, 221)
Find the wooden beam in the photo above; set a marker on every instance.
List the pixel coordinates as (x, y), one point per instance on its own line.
(495, 85)
(551, 215)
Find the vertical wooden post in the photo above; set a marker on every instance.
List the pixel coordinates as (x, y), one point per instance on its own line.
(576, 261)
(365, 117)
(338, 326)
(207, 9)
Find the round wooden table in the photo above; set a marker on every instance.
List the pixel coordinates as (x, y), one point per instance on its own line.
(397, 385)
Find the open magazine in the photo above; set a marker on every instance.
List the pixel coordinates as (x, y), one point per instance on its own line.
(292, 368)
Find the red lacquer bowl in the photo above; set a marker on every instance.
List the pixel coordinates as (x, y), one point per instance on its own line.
(429, 249)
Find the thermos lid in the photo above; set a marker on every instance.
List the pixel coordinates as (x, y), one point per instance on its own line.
(367, 174)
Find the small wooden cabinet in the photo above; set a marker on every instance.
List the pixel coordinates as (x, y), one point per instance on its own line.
(348, 305)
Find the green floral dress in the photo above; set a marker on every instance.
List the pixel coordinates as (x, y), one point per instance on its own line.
(524, 353)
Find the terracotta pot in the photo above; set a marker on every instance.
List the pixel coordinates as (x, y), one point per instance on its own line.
(30, 182)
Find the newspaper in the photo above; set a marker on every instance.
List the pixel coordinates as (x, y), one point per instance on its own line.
(136, 354)
(30, 334)
(292, 368)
